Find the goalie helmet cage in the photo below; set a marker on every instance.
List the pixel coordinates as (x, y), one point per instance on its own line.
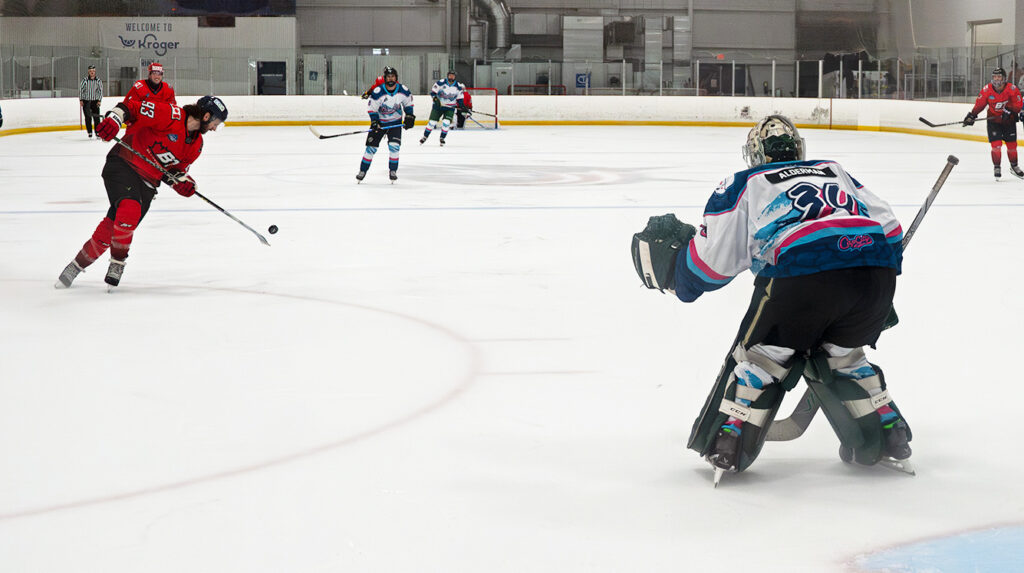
(485, 100)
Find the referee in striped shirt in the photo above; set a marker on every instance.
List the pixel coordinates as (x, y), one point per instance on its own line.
(91, 92)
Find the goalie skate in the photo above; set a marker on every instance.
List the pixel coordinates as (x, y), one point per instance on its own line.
(723, 457)
(888, 462)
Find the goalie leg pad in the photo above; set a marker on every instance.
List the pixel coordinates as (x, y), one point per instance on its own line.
(853, 395)
(735, 395)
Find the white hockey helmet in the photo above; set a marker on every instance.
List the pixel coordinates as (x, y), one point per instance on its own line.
(773, 139)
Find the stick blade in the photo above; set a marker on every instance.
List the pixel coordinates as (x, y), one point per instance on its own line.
(315, 132)
(926, 122)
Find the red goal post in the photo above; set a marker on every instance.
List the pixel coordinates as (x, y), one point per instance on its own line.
(485, 102)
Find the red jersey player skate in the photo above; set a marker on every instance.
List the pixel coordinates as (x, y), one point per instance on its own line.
(168, 135)
(1004, 104)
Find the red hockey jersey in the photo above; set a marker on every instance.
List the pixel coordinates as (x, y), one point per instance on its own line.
(996, 102)
(142, 90)
(159, 133)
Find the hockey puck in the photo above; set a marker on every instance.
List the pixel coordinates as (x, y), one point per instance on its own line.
(272, 229)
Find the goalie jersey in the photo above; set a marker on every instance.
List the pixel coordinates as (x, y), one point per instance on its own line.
(788, 219)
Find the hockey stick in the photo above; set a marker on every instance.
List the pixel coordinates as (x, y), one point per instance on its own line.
(197, 193)
(485, 113)
(794, 426)
(322, 136)
(470, 118)
(930, 124)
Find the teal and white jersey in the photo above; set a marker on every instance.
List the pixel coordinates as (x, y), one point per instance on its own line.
(448, 94)
(387, 106)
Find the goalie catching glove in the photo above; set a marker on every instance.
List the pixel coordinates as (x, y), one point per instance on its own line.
(655, 249)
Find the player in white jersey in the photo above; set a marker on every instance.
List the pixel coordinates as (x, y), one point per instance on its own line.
(825, 253)
(388, 103)
(447, 95)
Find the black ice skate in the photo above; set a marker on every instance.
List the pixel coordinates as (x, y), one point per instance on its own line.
(360, 175)
(724, 455)
(393, 175)
(67, 276)
(1016, 171)
(114, 272)
(423, 140)
(997, 172)
(442, 141)
(896, 452)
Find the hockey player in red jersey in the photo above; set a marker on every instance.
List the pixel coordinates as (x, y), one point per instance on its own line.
(153, 88)
(464, 111)
(1004, 104)
(166, 134)
(378, 82)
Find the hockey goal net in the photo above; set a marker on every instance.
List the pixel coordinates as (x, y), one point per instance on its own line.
(485, 108)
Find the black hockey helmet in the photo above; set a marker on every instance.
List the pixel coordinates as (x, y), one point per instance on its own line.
(389, 70)
(214, 106)
(999, 71)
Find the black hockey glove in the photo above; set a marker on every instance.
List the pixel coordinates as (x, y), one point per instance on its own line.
(969, 119)
(409, 121)
(655, 249)
(1010, 116)
(437, 102)
(374, 125)
(366, 95)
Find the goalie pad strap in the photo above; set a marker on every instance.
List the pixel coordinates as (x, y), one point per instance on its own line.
(839, 362)
(865, 406)
(776, 370)
(748, 392)
(755, 416)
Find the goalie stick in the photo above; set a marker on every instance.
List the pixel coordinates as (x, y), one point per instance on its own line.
(322, 136)
(930, 124)
(197, 193)
(794, 426)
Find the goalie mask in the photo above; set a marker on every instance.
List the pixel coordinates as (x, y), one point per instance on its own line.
(773, 139)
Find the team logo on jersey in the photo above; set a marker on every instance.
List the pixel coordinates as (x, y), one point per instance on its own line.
(854, 243)
(791, 172)
(815, 202)
(162, 154)
(172, 136)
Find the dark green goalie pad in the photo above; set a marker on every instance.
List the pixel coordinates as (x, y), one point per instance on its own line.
(705, 427)
(861, 434)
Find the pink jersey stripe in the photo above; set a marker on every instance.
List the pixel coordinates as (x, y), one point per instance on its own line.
(818, 225)
(704, 268)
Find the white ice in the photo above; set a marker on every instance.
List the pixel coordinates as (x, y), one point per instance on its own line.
(461, 372)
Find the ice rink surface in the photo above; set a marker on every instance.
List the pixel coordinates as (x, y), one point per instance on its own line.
(462, 373)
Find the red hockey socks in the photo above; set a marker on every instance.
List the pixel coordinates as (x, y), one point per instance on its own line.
(997, 152)
(128, 215)
(1011, 152)
(97, 245)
